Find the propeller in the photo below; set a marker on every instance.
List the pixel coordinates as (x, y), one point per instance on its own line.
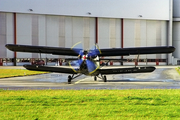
(94, 51)
(86, 57)
(77, 48)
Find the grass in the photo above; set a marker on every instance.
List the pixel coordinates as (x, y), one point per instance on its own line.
(90, 104)
(17, 72)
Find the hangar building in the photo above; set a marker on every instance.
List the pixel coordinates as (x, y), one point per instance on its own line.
(109, 23)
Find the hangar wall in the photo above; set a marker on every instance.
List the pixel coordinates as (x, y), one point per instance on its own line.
(6, 34)
(57, 31)
(53, 25)
(144, 33)
(65, 31)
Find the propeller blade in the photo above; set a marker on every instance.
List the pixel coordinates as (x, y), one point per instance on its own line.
(94, 51)
(75, 64)
(91, 66)
(78, 48)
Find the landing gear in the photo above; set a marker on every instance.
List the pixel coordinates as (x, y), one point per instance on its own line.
(69, 79)
(104, 78)
(95, 78)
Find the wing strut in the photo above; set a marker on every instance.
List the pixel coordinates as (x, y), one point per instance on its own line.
(40, 56)
(137, 59)
(70, 78)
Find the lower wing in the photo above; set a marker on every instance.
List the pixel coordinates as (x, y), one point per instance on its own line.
(50, 69)
(126, 70)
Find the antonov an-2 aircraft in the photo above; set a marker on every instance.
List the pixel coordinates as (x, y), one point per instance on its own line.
(89, 60)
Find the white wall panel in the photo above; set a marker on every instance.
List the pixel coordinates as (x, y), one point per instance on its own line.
(42, 30)
(142, 33)
(142, 42)
(151, 33)
(109, 33)
(3, 34)
(41, 34)
(118, 33)
(86, 33)
(52, 33)
(151, 36)
(24, 33)
(164, 32)
(103, 33)
(176, 8)
(68, 32)
(176, 39)
(149, 9)
(10, 33)
(91, 32)
(77, 28)
(62, 31)
(129, 27)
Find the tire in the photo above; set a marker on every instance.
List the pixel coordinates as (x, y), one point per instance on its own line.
(69, 79)
(105, 79)
(95, 78)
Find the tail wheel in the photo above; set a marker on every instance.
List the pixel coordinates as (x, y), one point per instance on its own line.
(95, 78)
(69, 79)
(104, 79)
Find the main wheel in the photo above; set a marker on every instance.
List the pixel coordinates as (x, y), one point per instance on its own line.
(95, 78)
(105, 79)
(69, 79)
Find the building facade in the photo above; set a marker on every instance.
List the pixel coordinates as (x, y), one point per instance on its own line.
(110, 24)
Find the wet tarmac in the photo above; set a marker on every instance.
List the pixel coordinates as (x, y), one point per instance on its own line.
(164, 77)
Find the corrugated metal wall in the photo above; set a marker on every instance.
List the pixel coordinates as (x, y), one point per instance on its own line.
(6, 34)
(65, 31)
(176, 28)
(109, 33)
(3, 34)
(176, 38)
(143, 33)
(47, 30)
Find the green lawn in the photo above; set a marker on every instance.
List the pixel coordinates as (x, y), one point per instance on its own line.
(17, 72)
(90, 104)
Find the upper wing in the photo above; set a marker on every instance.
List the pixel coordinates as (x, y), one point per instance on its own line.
(136, 51)
(50, 69)
(104, 52)
(43, 49)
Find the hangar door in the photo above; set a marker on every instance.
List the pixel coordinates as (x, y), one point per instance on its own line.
(146, 33)
(57, 31)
